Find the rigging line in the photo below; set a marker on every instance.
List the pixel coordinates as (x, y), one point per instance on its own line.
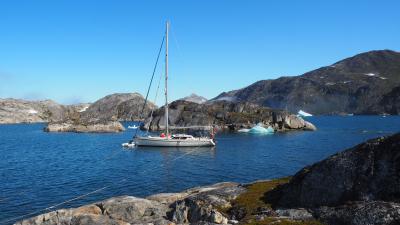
(151, 81)
(176, 41)
(17, 194)
(87, 194)
(155, 99)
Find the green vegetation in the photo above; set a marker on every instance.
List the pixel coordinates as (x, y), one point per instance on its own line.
(252, 200)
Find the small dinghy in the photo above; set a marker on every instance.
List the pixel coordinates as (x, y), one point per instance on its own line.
(130, 144)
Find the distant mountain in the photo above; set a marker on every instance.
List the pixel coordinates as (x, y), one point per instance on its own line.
(194, 98)
(23, 111)
(121, 107)
(368, 83)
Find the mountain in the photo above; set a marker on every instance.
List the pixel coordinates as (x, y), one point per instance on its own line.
(366, 83)
(194, 98)
(119, 106)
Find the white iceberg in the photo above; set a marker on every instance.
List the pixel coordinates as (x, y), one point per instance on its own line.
(302, 113)
(258, 129)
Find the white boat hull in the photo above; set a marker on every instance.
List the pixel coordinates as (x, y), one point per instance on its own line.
(169, 142)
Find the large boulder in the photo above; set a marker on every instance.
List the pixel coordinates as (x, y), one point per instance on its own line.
(366, 172)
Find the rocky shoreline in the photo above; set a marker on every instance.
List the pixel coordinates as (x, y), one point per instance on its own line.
(357, 186)
(225, 116)
(100, 127)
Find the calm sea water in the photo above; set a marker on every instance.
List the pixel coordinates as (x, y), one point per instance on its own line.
(39, 169)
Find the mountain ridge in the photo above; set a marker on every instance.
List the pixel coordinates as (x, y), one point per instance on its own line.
(353, 85)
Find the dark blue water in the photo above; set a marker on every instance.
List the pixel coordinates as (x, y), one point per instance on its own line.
(39, 169)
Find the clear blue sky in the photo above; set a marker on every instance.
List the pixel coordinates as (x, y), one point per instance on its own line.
(79, 51)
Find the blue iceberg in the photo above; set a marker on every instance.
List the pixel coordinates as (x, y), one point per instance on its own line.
(258, 129)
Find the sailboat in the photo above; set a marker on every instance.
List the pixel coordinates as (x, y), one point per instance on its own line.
(174, 140)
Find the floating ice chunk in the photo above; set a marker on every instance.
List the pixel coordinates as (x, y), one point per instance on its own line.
(258, 129)
(244, 130)
(302, 113)
(32, 111)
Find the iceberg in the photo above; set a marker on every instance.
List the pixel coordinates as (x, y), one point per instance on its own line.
(258, 129)
(301, 113)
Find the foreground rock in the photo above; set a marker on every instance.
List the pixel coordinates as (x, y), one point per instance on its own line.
(225, 115)
(101, 127)
(195, 206)
(357, 186)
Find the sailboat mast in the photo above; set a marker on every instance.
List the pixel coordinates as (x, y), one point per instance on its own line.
(166, 79)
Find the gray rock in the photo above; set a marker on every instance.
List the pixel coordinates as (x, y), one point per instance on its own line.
(294, 214)
(195, 206)
(134, 210)
(369, 171)
(120, 106)
(361, 213)
(103, 127)
(225, 115)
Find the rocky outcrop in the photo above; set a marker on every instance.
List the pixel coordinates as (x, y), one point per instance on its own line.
(100, 127)
(120, 106)
(357, 186)
(361, 213)
(362, 84)
(369, 171)
(115, 107)
(104, 114)
(194, 206)
(23, 111)
(225, 115)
